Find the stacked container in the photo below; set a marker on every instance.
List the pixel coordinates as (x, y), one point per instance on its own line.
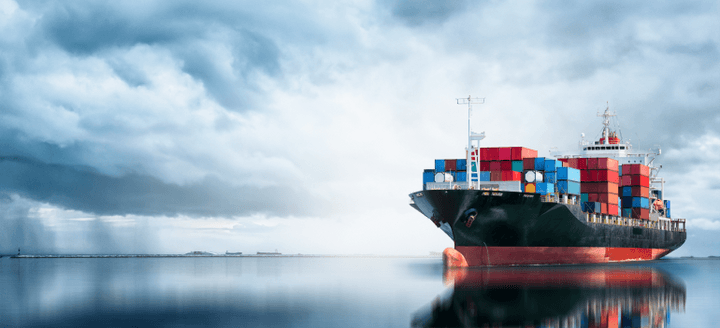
(502, 163)
(599, 179)
(635, 185)
(539, 175)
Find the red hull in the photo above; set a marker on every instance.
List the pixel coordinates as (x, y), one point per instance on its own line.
(483, 256)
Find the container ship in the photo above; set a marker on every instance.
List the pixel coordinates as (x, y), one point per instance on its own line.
(507, 206)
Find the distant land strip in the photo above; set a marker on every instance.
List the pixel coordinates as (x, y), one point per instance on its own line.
(91, 256)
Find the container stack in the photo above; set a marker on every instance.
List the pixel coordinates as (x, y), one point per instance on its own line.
(635, 186)
(540, 175)
(599, 179)
(502, 163)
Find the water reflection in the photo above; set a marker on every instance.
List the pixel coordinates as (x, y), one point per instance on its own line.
(556, 297)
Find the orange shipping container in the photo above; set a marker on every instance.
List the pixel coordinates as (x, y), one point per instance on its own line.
(530, 187)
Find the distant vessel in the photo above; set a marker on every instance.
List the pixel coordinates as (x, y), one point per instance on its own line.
(269, 253)
(199, 253)
(233, 253)
(507, 206)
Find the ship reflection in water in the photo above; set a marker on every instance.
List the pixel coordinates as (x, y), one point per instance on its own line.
(555, 297)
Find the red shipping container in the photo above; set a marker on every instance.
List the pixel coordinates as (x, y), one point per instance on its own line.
(582, 164)
(496, 176)
(603, 208)
(626, 169)
(493, 154)
(605, 163)
(572, 162)
(506, 165)
(505, 154)
(511, 176)
(605, 175)
(594, 197)
(592, 163)
(520, 153)
(450, 165)
(626, 180)
(529, 163)
(495, 166)
(608, 198)
(637, 169)
(640, 192)
(640, 213)
(585, 176)
(484, 166)
(613, 209)
(484, 154)
(639, 180)
(587, 187)
(606, 187)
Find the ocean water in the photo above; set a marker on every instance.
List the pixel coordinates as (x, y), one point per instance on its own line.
(352, 292)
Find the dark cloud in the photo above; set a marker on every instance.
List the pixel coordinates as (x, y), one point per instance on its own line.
(84, 189)
(421, 12)
(19, 231)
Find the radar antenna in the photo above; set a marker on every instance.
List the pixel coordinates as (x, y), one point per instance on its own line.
(473, 166)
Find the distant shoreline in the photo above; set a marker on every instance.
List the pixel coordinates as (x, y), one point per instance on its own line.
(89, 256)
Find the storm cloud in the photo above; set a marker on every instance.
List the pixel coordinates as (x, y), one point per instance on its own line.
(300, 110)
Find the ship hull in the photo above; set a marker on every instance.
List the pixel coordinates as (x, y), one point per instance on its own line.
(514, 228)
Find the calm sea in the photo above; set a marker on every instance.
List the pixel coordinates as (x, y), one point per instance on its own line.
(352, 292)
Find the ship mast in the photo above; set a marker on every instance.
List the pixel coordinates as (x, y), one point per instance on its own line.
(473, 167)
(606, 125)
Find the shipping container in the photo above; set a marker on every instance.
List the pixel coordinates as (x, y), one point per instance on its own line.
(613, 209)
(606, 187)
(608, 198)
(544, 188)
(568, 173)
(638, 191)
(603, 208)
(587, 187)
(583, 197)
(511, 176)
(539, 163)
(568, 187)
(517, 166)
(461, 176)
(484, 166)
(484, 175)
(506, 166)
(528, 163)
(532, 176)
(636, 169)
(605, 163)
(627, 212)
(594, 197)
(582, 164)
(461, 164)
(495, 166)
(484, 154)
(592, 163)
(530, 187)
(591, 207)
(639, 180)
(640, 213)
(493, 154)
(496, 176)
(550, 165)
(550, 177)
(520, 153)
(450, 165)
(439, 165)
(505, 154)
(428, 176)
(572, 162)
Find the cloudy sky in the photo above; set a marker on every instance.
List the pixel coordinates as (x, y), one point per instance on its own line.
(173, 126)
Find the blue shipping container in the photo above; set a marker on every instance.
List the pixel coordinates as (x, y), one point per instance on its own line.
(461, 164)
(626, 192)
(439, 165)
(428, 176)
(640, 202)
(591, 207)
(484, 175)
(568, 187)
(544, 188)
(583, 197)
(568, 173)
(627, 212)
(539, 163)
(550, 177)
(551, 165)
(460, 176)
